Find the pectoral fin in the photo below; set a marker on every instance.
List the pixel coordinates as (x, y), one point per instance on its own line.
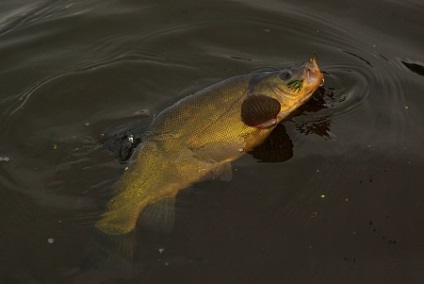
(260, 111)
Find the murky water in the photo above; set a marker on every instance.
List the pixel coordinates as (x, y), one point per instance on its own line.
(345, 204)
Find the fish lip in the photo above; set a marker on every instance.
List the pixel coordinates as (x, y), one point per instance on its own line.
(313, 74)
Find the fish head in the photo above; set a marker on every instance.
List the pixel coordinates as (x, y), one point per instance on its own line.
(291, 86)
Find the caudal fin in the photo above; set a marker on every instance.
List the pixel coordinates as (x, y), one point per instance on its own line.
(109, 252)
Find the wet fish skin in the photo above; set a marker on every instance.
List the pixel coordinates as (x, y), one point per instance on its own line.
(199, 135)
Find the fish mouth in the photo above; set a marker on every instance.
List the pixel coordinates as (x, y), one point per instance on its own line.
(312, 78)
(313, 74)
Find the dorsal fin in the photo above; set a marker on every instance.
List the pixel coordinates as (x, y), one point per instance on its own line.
(260, 111)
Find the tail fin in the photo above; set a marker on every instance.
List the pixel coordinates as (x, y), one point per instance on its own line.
(109, 252)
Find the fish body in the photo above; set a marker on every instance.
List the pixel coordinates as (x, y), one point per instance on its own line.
(198, 137)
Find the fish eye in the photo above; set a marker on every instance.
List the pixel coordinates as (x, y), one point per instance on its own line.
(285, 75)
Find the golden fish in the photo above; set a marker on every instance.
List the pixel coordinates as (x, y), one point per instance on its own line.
(200, 135)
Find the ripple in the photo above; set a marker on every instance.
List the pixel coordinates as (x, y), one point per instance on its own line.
(105, 59)
(414, 67)
(366, 93)
(31, 14)
(351, 85)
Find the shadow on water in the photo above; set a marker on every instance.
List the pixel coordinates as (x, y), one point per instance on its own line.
(414, 67)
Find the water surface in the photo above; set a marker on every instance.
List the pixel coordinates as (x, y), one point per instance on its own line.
(345, 205)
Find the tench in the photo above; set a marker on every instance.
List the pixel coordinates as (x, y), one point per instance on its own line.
(198, 137)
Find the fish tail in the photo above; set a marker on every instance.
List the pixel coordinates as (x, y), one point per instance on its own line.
(109, 252)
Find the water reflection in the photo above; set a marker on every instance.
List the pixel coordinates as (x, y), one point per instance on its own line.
(125, 136)
(323, 98)
(278, 147)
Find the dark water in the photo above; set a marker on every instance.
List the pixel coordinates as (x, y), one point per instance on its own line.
(347, 207)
